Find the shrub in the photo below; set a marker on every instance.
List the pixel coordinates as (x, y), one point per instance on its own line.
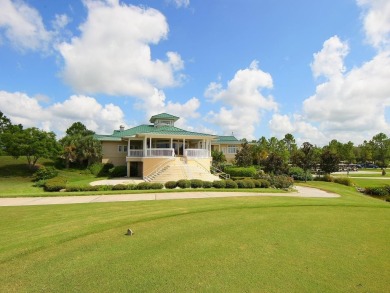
(100, 169)
(196, 183)
(43, 173)
(105, 187)
(282, 181)
(257, 183)
(376, 191)
(219, 184)
(343, 180)
(119, 187)
(183, 183)
(249, 183)
(74, 188)
(229, 183)
(207, 184)
(118, 171)
(241, 171)
(264, 183)
(241, 183)
(144, 186)
(55, 184)
(156, 185)
(299, 174)
(91, 188)
(170, 184)
(325, 178)
(40, 183)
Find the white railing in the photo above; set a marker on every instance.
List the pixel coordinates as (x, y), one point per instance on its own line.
(160, 152)
(196, 153)
(135, 153)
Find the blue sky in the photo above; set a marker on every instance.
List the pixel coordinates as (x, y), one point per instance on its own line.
(317, 69)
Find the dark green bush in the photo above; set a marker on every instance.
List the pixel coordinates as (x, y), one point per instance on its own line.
(40, 183)
(131, 186)
(257, 183)
(74, 188)
(118, 171)
(44, 173)
(264, 183)
(144, 186)
(55, 184)
(170, 184)
(343, 180)
(240, 171)
(282, 181)
(299, 174)
(241, 183)
(119, 187)
(183, 183)
(91, 188)
(196, 183)
(100, 169)
(376, 191)
(229, 183)
(219, 184)
(156, 185)
(207, 184)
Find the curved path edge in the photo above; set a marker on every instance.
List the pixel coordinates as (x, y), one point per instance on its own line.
(29, 201)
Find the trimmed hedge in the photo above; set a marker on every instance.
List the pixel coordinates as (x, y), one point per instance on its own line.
(183, 183)
(43, 173)
(219, 184)
(170, 184)
(144, 186)
(240, 171)
(196, 183)
(264, 183)
(55, 184)
(156, 185)
(230, 184)
(207, 184)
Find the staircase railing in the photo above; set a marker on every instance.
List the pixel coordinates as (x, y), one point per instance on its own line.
(157, 169)
(213, 170)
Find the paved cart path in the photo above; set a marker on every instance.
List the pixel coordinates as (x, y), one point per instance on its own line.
(28, 201)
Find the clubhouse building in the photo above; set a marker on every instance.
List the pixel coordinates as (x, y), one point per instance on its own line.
(160, 152)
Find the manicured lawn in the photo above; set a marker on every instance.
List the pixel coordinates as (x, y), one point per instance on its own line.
(248, 244)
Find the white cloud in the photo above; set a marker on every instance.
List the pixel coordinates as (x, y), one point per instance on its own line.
(329, 62)
(23, 26)
(376, 20)
(180, 3)
(113, 56)
(21, 108)
(243, 101)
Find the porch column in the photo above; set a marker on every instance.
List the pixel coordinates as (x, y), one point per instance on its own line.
(128, 169)
(145, 146)
(184, 146)
(128, 147)
(150, 146)
(170, 146)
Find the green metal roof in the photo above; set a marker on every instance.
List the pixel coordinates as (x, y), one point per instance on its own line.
(163, 116)
(227, 139)
(146, 129)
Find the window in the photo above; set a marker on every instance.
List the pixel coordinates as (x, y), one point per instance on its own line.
(122, 148)
(232, 149)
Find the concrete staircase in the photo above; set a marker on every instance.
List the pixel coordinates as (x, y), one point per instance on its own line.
(180, 169)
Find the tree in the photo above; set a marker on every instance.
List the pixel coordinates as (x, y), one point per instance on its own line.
(32, 143)
(274, 164)
(329, 161)
(305, 157)
(244, 156)
(218, 158)
(6, 131)
(79, 145)
(290, 143)
(381, 149)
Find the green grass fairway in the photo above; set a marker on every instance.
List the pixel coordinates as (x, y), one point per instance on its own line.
(247, 244)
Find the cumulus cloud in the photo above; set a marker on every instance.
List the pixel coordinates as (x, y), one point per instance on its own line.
(376, 20)
(23, 26)
(113, 56)
(329, 62)
(243, 100)
(21, 108)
